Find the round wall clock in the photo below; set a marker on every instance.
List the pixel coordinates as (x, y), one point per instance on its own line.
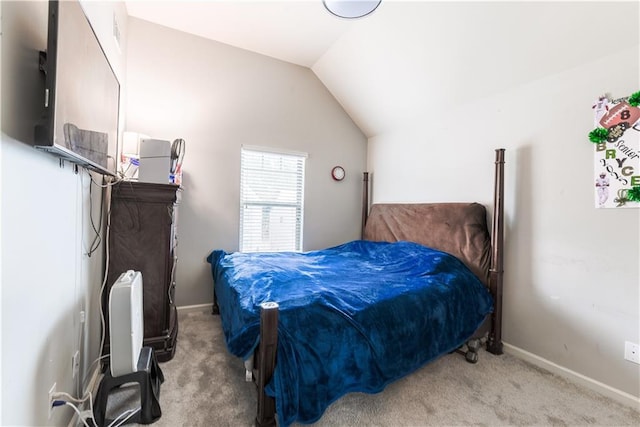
(338, 173)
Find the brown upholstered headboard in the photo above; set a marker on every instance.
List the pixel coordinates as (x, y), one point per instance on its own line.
(456, 228)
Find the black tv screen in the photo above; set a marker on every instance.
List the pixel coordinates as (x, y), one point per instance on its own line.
(82, 93)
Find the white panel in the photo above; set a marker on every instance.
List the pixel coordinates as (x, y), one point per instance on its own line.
(126, 323)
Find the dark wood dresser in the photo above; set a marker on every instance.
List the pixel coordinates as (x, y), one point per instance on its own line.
(143, 238)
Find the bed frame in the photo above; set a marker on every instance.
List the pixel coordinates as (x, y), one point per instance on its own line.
(264, 359)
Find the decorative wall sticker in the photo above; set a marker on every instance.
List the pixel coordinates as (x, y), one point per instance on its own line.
(600, 108)
(616, 139)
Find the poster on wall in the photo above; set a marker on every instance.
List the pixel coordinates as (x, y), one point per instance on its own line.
(616, 138)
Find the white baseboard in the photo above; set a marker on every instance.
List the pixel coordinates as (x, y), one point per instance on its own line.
(198, 308)
(613, 393)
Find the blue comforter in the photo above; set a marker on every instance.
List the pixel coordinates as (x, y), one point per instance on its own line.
(352, 318)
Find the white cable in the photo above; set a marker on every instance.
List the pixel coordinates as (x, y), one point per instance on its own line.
(108, 184)
(61, 394)
(129, 413)
(106, 269)
(106, 273)
(93, 363)
(77, 412)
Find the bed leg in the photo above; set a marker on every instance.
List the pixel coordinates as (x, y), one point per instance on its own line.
(266, 415)
(471, 355)
(494, 341)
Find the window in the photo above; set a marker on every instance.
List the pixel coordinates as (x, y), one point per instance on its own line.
(271, 200)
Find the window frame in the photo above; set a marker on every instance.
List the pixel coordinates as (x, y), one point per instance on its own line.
(269, 156)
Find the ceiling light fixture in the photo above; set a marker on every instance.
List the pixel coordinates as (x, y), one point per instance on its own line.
(351, 8)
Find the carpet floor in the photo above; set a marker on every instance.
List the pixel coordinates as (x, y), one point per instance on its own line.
(204, 386)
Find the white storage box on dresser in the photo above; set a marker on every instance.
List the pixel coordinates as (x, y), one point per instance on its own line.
(155, 161)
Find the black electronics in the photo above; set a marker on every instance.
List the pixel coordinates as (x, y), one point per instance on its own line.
(82, 93)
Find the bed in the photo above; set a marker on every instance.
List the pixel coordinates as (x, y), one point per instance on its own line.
(425, 280)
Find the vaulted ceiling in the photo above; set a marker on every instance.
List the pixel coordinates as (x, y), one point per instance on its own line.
(410, 57)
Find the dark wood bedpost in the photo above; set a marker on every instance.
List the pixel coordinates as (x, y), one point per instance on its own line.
(365, 202)
(215, 308)
(266, 415)
(494, 344)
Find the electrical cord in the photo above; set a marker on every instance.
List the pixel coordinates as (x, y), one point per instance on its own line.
(104, 280)
(60, 400)
(91, 367)
(75, 408)
(68, 397)
(98, 238)
(108, 184)
(126, 414)
(95, 244)
(106, 266)
(96, 360)
(94, 247)
(124, 172)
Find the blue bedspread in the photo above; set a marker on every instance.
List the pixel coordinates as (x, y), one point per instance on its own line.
(352, 318)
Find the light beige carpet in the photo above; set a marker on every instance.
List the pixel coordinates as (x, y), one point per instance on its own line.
(205, 386)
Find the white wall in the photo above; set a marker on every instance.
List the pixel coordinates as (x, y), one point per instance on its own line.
(571, 271)
(47, 279)
(218, 98)
(458, 79)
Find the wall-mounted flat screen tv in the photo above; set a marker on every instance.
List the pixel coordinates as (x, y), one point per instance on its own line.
(82, 93)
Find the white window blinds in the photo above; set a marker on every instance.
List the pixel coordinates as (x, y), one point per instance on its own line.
(271, 201)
